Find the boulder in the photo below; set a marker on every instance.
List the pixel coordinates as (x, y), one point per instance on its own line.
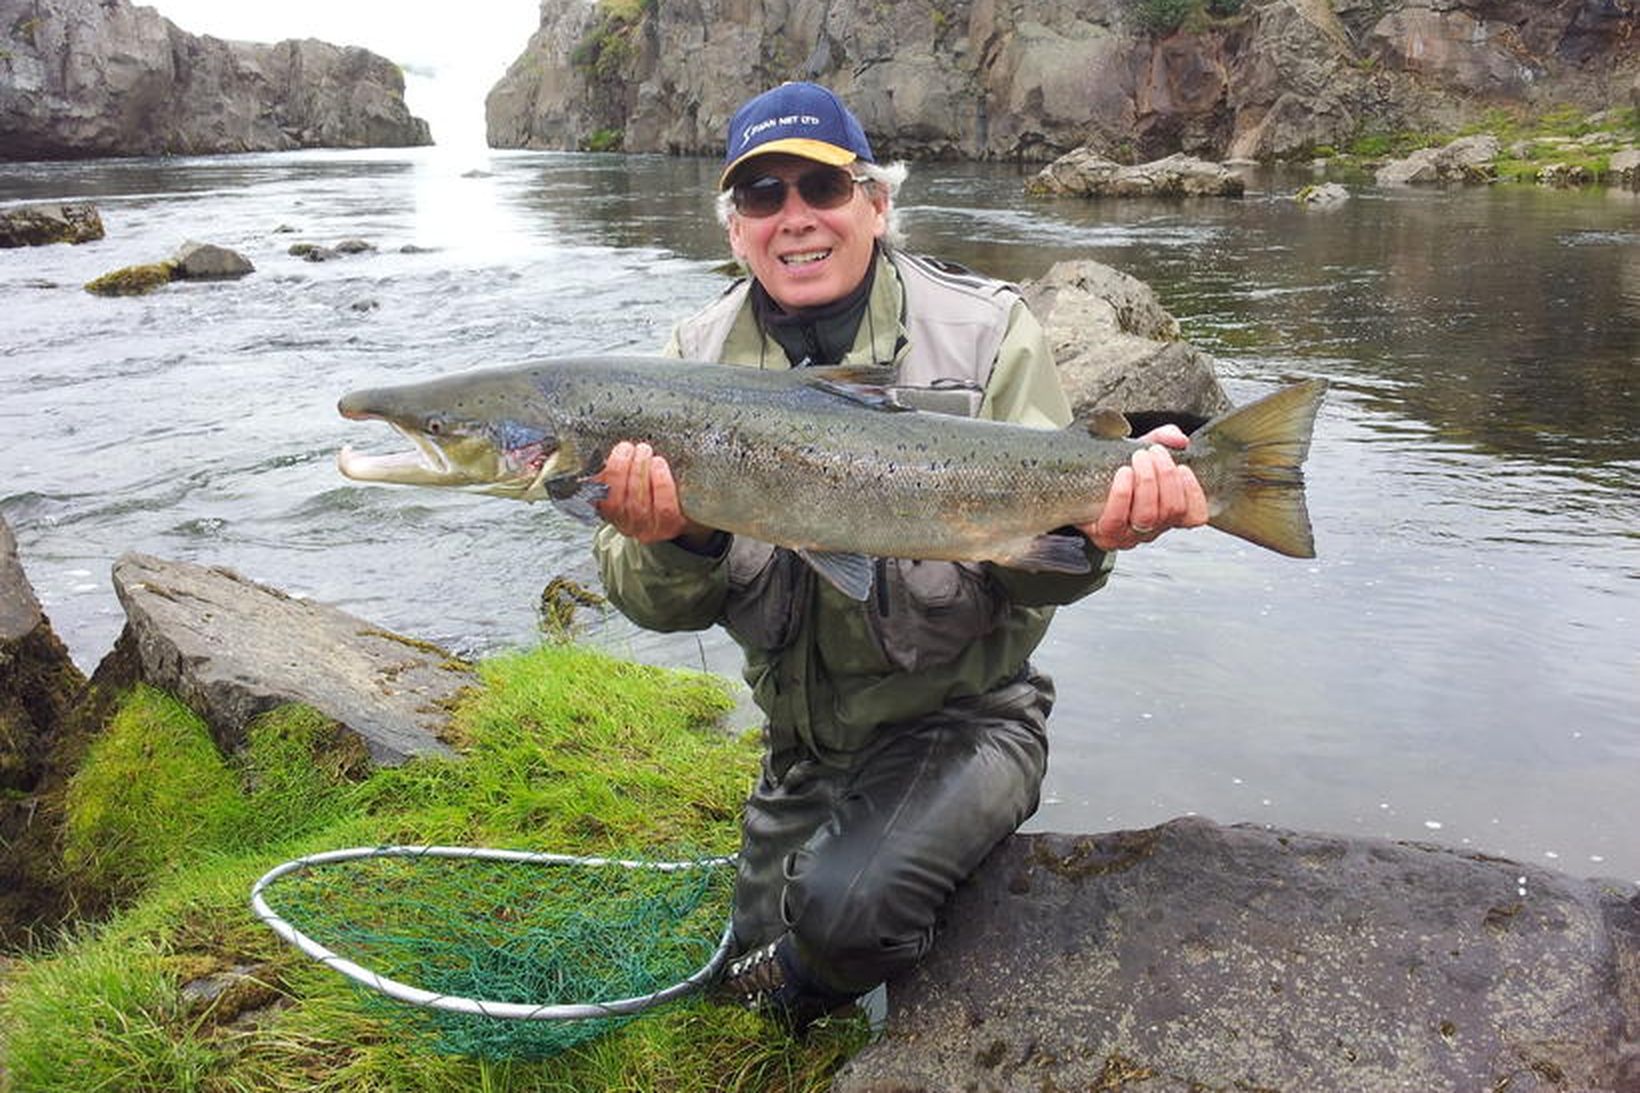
(1325, 195)
(209, 262)
(1116, 345)
(1467, 159)
(1193, 956)
(232, 649)
(36, 225)
(1085, 173)
(133, 280)
(1624, 169)
(81, 78)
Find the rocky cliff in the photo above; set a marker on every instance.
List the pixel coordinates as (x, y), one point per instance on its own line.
(104, 78)
(1031, 79)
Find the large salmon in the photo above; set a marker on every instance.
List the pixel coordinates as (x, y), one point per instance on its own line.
(825, 461)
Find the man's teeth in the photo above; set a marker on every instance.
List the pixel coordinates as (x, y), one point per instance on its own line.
(804, 259)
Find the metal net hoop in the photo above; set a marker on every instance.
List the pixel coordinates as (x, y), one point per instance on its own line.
(479, 1007)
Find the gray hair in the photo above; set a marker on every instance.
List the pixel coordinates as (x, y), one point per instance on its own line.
(886, 179)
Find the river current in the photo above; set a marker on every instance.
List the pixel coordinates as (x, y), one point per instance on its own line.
(1459, 665)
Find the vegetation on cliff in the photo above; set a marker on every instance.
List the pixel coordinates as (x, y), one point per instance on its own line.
(183, 989)
(1166, 16)
(1565, 145)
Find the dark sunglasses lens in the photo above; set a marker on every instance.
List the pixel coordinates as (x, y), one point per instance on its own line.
(760, 196)
(826, 188)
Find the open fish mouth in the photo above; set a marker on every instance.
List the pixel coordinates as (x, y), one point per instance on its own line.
(469, 462)
(424, 464)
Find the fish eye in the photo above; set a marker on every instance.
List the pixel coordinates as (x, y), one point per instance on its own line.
(434, 425)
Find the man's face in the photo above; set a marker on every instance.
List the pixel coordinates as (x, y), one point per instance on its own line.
(802, 255)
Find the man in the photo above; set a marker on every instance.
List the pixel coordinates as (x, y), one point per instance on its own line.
(904, 736)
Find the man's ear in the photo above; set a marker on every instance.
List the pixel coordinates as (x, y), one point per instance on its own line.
(879, 202)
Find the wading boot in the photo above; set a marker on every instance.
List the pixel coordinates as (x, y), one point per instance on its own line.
(770, 980)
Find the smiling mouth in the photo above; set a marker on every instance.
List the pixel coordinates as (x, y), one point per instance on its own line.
(807, 258)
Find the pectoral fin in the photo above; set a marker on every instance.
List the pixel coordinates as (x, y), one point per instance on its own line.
(1052, 554)
(850, 574)
(576, 495)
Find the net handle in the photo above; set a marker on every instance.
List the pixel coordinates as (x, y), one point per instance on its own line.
(509, 1011)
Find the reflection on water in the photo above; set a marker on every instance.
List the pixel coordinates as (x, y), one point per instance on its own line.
(1458, 665)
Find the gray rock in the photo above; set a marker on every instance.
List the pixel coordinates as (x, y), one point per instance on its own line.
(1467, 159)
(1117, 346)
(1624, 169)
(85, 78)
(232, 649)
(37, 225)
(1565, 175)
(1086, 173)
(1327, 195)
(209, 262)
(19, 607)
(1193, 956)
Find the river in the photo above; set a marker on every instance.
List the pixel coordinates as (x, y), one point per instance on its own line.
(1459, 665)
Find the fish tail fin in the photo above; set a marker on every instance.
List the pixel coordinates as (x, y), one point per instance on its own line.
(1251, 462)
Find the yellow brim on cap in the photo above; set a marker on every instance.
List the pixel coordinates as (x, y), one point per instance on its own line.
(817, 150)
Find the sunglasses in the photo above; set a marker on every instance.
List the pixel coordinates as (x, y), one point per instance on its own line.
(820, 188)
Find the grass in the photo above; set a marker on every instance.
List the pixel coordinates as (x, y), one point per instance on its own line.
(564, 749)
(1563, 137)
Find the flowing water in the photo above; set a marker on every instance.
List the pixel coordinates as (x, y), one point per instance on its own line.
(1460, 664)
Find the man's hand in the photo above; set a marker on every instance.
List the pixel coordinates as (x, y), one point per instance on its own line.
(1149, 495)
(643, 497)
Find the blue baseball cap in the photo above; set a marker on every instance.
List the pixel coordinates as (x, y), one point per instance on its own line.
(800, 119)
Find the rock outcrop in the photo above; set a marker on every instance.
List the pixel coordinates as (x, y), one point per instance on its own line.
(232, 649)
(38, 225)
(1467, 159)
(228, 648)
(1117, 346)
(973, 79)
(1086, 173)
(81, 78)
(192, 262)
(1193, 956)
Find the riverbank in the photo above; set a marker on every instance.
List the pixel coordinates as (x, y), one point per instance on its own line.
(162, 980)
(1562, 148)
(563, 749)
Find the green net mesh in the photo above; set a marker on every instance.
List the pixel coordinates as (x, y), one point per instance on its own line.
(523, 933)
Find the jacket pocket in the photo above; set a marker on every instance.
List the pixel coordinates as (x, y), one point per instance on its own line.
(928, 613)
(767, 586)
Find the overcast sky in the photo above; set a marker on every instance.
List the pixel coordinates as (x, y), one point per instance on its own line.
(467, 45)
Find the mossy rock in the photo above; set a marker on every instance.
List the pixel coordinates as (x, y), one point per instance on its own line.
(133, 280)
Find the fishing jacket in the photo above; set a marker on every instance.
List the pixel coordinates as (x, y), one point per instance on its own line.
(830, 673)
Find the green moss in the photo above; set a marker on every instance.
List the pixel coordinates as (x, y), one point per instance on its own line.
(604, 140)
(1167, 16)
(609, 44)
(153, 791)
(568, 750)
(133, 280)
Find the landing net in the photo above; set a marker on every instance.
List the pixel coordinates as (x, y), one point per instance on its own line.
(504, 954)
